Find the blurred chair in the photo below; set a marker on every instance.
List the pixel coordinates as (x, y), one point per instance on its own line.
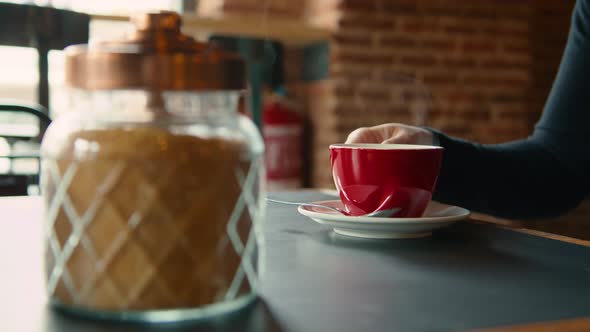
(45, 29)
(23, 139)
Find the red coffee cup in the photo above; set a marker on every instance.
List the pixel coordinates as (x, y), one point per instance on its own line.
(374, 177)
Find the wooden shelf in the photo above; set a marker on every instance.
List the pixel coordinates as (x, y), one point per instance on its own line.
(289, 31)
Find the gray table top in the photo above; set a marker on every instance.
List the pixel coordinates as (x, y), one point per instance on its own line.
(467, 276)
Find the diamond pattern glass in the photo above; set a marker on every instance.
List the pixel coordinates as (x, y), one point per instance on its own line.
(137, 245)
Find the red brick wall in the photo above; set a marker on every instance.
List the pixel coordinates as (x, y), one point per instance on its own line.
(477, 69)
(464, 67)
(482, 70)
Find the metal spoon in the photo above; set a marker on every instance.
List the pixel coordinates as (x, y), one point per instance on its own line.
(378, 214)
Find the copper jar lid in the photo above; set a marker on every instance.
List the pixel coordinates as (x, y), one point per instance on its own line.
(156, 56)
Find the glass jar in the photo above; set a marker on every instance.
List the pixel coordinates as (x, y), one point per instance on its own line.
(151, 180)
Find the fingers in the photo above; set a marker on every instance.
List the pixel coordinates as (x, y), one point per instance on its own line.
(390, 133)
(355, 136)
(372, 135)
(400, 137)
(410, 135)
(363, 135)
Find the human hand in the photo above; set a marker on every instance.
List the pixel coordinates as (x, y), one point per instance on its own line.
(391, 133)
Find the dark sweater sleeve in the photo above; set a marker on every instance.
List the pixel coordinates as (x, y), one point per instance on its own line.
(544, 175)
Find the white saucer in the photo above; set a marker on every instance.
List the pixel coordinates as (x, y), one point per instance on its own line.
(437, 215)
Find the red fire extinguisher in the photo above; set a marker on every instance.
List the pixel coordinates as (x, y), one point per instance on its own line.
(282, 129)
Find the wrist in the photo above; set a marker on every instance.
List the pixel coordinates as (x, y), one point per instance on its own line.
(435, 136)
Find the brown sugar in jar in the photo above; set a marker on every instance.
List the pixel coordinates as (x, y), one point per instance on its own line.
(157, 207)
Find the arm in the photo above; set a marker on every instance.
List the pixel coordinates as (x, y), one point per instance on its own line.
(521, 179)
(544, 175)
